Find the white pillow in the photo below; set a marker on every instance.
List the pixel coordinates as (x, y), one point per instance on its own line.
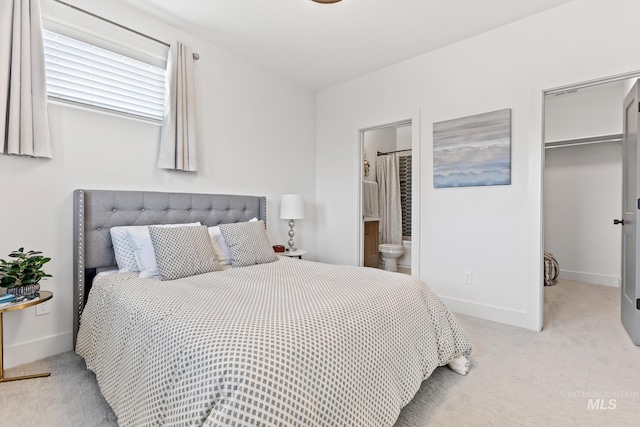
(123, 250)
(219, 246)
(143, 248)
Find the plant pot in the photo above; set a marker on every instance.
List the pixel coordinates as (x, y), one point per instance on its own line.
(24, 290)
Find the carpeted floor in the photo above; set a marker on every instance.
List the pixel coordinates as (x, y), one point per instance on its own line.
(517, 378)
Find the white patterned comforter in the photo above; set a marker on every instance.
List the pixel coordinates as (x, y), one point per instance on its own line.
(290, 343)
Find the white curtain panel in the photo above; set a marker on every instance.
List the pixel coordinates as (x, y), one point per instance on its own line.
(389, 199)
(24, 123)
(178, 141)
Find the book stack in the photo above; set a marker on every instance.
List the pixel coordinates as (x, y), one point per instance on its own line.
(7, 299)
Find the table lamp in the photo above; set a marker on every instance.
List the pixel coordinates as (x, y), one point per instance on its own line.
(291, 208)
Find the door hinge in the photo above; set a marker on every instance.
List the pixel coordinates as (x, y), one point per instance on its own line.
(638, 107)
(638, 304)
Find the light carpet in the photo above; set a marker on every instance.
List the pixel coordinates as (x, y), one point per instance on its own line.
(517, 378)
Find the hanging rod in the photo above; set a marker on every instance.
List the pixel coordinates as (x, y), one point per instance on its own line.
(195, 55)
(616, 137)
(380, 153)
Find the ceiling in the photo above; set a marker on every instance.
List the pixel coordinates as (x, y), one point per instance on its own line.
(320, 45)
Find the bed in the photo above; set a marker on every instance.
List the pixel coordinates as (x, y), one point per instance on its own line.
(282, 343)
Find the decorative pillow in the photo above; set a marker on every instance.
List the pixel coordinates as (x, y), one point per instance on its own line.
(143, 248)
(183, 251)
(248, 243)
(219, 246)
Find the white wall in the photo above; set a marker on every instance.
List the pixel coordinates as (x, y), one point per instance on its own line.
(403, 137)
(383, 140)
(583, 184)
(582, 196)
(256, 133)
(589, 112)
(494, 232)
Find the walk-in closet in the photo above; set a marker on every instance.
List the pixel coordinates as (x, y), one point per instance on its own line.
(583, 181)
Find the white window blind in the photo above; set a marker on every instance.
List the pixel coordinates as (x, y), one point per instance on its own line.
(79, 72)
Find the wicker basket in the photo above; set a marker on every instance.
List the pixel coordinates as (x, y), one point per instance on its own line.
(551, 269)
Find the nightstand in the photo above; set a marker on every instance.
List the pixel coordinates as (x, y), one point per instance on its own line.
(43, 296)
(295, 254)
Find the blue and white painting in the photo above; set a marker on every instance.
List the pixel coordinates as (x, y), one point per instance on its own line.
(473, 151)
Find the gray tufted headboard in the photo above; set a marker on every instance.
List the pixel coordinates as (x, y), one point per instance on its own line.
(96, 211)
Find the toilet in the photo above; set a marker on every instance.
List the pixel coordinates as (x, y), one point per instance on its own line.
(388, 255)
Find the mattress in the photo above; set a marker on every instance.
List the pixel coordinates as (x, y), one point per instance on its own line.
(288, 343)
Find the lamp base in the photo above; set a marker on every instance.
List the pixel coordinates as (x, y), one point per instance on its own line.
(292, 247)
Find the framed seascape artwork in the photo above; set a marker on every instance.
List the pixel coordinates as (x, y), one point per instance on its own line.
(473, 151)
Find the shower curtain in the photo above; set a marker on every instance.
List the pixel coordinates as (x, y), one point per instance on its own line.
(389, 199)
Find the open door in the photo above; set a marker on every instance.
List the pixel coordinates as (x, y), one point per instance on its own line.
(630, 305)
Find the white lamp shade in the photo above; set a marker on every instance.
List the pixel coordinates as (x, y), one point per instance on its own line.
(291, 206)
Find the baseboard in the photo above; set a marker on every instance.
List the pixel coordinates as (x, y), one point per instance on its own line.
(594, 279)
(493, 313)
(30, 351)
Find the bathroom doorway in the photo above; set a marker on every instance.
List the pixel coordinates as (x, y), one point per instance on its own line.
(389, 198)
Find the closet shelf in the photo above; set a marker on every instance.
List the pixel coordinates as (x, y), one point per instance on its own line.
(616, 137)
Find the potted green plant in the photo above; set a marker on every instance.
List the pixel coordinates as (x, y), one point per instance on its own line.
(21, 275)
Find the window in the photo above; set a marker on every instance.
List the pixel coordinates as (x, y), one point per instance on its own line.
(86, 74)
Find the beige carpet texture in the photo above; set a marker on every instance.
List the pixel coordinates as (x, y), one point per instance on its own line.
(581, 370)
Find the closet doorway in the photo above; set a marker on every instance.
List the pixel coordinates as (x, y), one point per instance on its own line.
(583, 181)
(584, 166)
(389, 198)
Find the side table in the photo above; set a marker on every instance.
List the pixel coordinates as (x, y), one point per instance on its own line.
(293, 254)
(43, 296)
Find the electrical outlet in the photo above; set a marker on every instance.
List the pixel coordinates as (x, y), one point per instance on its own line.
(468, 278)
(42, 308)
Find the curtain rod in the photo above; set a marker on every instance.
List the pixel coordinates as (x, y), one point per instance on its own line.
(195, 55)
(380, 153)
